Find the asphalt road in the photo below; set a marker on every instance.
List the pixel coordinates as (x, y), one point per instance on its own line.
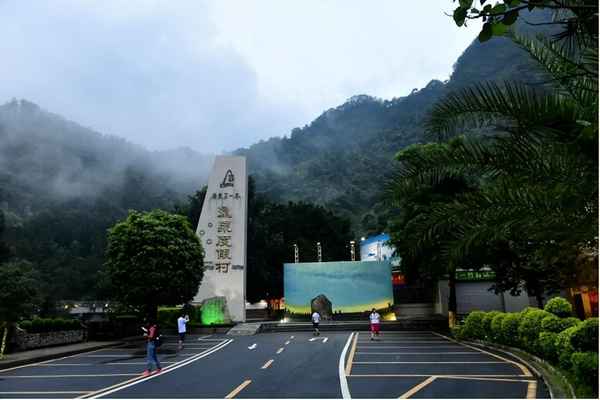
(276, 365)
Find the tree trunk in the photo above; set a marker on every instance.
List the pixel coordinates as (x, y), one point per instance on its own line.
(151, 312)
(452, 298)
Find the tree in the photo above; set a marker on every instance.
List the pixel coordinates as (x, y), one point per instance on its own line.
(193, 208)
(153, 258)
(577, 18)
(532, 153)
(19, 294)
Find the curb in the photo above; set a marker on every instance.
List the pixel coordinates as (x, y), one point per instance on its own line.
(16, 363)
(536, 371)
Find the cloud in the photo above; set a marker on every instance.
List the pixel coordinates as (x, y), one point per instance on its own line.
(148, 71)
(217, 75)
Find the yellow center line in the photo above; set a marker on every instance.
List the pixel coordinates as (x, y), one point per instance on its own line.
(280, 350)
(267, 364)
(238, 389)
(351, 356)
(418, 387)
(532, 390)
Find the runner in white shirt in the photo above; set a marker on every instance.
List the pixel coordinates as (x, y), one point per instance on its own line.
(374, 319)
(182, 328)
(316, 318)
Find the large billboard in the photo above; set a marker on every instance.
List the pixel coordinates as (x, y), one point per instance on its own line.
(376, 248)
(351, 286)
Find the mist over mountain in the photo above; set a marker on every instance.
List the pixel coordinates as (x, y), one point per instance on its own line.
(46, 160)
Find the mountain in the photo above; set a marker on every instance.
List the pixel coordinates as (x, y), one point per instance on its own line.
(48, 160)
(343, 158)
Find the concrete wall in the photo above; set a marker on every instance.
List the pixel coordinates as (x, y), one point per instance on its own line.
(472, 296)
(27, 341)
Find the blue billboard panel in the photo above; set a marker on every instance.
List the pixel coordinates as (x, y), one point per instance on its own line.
(351, 286)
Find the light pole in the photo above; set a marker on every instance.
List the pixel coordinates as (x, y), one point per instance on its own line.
(319, 253)
(296, 254)
(352, 251)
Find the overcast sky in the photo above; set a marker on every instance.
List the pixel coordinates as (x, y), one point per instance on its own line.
(218, 75)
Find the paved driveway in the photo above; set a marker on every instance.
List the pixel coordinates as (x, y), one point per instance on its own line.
(430, 365)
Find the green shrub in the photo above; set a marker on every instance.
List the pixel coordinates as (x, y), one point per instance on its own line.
(552, 323)
(473, 327)
(457, 332)
(530, 327)
(496, 331)
(585, 367)
(585, 337)
(569, 322)
(559, 307)
(546, 345)
(510, 328)
(527, 310)
(487, 324)
(564, 348)
(167, 317)
(41, 325)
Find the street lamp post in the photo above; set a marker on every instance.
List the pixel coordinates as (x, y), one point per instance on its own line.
(319, 252)
(352, 251)
(296, 254)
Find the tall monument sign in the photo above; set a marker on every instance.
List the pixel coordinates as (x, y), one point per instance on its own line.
(222, 231)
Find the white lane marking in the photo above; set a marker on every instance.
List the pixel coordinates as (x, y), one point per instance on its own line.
(252, 347)
(267, 364)
(522, 367)
(291, 337)
(287, 342)
(166, 370)
(69, 392)
(430, 362)
(342, 370)
(312, 339)
(65, 365)
(136, 363)
(49, 361)
(280, 350)
(419, 353)
(325, 340)
(205, 337)
(62, 376)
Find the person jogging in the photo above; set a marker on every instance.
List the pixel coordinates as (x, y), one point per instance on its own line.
(151, 334)
(316, 318)
(182, 328)
(374, 319)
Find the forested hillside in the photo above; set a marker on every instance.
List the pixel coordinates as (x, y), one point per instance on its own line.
(62, 185)
(342, 159)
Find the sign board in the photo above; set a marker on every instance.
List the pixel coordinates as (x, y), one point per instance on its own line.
(222, 231)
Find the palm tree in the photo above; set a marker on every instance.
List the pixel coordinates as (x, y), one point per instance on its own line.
(532, 164)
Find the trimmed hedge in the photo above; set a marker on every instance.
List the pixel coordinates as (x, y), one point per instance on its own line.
(585, 338)
(510, 328)
(550, 333)
(559, 307)
(41, 325)
(531, 326)
(167, 316)
(473, 326)
(585, 367)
